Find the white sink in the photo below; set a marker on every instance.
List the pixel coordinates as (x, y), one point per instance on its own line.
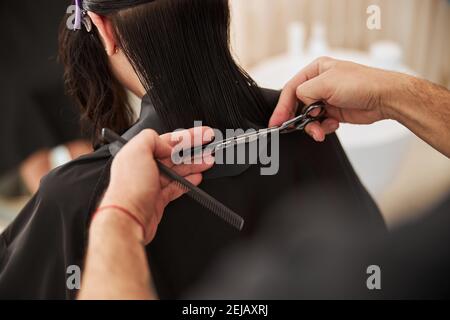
(376, 152)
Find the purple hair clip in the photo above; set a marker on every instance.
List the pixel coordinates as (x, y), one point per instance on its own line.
(78, 17)
(81, 17)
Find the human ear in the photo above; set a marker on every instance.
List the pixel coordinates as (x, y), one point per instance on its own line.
(106, 32)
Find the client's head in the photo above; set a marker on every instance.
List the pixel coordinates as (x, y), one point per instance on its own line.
(176, 51)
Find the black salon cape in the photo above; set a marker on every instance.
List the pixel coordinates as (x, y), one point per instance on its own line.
(51, 232)
(35, 114)
(332, 261)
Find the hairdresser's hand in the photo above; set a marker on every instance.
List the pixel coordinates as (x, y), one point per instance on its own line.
(136, 183)
(354, 94)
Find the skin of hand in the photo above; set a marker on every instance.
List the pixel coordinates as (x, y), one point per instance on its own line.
(116, 266)
(353, 94)
(116, 263)
(358, 94)
(135, 180)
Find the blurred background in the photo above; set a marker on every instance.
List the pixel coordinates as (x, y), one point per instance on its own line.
(273, 40)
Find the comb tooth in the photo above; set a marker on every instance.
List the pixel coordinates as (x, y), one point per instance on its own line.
(217, 208)
(225, 213)
(221, 211)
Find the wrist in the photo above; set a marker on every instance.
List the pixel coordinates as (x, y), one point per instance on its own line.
(124, 201)
(396, 95)
(117, 221)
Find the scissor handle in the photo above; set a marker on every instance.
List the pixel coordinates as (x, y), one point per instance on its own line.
(315, 106)
(308, 118)
(305, 118)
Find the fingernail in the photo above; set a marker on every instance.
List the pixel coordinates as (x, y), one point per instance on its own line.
(319, 137)
(315, 136)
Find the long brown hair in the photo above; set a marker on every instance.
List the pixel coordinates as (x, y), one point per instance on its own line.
(181, 52)
(89, 81)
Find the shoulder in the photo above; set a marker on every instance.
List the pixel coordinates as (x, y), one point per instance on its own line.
(64, 199)
(77, 182)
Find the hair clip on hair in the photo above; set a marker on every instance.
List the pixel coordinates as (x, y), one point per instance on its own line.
(81, 17)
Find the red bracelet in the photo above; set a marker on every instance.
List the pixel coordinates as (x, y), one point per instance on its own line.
(123, 210)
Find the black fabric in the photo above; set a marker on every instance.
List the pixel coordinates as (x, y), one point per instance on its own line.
(35, 114)
(51, 232)
(325, 255)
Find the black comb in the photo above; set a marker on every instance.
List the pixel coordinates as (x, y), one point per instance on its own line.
(193, 191)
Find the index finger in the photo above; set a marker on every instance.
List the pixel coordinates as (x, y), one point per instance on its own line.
(149, 140)
(288, 102)
(189, 138)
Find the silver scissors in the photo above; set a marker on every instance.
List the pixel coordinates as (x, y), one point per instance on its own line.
(298, 123)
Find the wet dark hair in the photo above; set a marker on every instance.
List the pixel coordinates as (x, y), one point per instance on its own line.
(180, 51)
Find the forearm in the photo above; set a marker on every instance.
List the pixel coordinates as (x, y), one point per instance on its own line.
(116, 265)
(424, 108)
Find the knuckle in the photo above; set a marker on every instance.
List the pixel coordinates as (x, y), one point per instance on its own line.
(328, 63)
(290, 86)
(299, 91)
(329, 86)
(149, 136)
(147, 140)
(324, 60)
(149, 133)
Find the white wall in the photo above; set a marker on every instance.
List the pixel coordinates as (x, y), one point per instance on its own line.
(422, 27)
